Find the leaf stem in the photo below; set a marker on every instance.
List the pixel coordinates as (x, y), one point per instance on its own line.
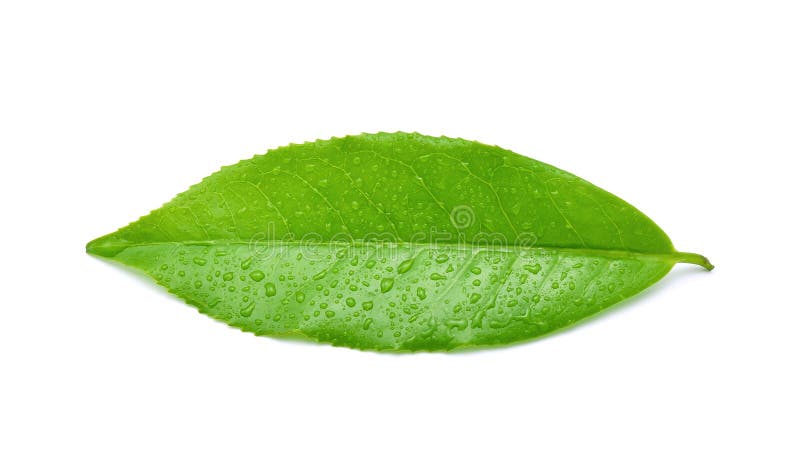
(694, 258)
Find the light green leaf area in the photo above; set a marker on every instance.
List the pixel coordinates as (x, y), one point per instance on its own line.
(397, 242)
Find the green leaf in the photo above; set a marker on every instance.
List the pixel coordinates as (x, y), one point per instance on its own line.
(397, 242)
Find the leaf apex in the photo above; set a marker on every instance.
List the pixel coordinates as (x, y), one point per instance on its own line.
(105, 246)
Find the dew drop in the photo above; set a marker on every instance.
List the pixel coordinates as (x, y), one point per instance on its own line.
(270, 289)
(437, 277)
(387, 284)
(405, 266)
(536, 268)
(367, 306)
(367, 323)
(227, 276)
(299, 297)
(248, 310)
(199, 261)
(474, 298)
(421, 293)
(351, 302)
(319, 275)
(257, 275)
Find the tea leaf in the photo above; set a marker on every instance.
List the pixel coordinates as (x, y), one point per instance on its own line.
(397, 242)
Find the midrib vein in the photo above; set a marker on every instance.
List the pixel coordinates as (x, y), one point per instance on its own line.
(111, 249)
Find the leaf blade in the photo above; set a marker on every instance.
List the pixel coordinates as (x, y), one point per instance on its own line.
(391, 194)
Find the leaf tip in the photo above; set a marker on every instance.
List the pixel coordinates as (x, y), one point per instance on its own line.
(104, 246)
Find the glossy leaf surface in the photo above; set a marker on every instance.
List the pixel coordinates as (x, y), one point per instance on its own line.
(397, 242)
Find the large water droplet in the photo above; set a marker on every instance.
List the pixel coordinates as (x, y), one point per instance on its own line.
(257, 275)
(270, 289)
(248, 310)
(405, 266)
(387, 284)
(533, 268)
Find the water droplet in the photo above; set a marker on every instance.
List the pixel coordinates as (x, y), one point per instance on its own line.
(442, 258)
(257, 275)
(367, 306)
(351, 302)
(437, 277)
(474, 298)
(367, 323)
(330, 313)
(227, 276)
(299, 297)
(319, 275)
(246, 263)
(387, 284)
(476, 283)
(405, 266)
(554, 285)
(536, 268)
(475, 270)
(248, 310)
(198, 284)
(270, 289)
(199, 261)
(421, 293)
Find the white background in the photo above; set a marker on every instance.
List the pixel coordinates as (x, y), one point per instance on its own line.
(687, 109)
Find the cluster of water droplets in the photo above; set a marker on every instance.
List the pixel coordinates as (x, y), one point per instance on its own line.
(390, 296)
